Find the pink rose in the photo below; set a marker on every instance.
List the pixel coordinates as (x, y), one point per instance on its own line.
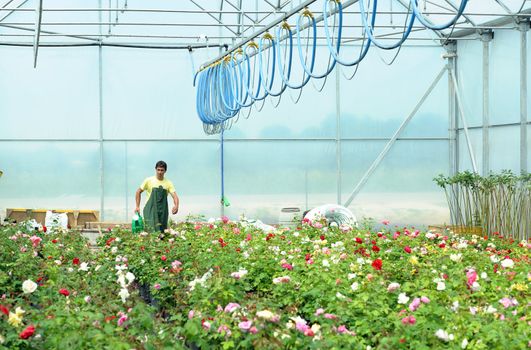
(245, 325)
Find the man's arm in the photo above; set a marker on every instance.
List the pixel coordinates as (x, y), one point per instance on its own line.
(175, 208)
(137, 198)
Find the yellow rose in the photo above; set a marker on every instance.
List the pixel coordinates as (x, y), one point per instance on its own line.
(519, 287)
(14, 319)
(413, 260)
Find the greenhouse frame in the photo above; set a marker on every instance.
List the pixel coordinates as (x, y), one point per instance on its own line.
(265, 174)
(89, 121)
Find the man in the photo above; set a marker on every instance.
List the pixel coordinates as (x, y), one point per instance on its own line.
(156, 208)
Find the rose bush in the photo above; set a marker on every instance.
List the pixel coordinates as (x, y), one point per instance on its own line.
(226, 284)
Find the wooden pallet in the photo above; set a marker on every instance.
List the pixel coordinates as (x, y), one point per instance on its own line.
(76, 218)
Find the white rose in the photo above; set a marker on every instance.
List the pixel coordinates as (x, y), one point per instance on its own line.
(265, 314)
(28, 286)
(403, 298)
(83, 267)
(441, 286)
(355, 286)
(507, 263)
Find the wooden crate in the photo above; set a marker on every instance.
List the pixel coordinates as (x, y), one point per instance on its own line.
(476, 230)
(76, 218)
(97, 225)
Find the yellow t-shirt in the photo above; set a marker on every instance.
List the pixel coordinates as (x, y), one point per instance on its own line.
(152, 182)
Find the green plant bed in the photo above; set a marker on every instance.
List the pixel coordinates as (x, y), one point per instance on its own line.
(227, 285)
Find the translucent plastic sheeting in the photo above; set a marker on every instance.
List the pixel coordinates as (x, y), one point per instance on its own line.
(263, 177)
(376, 101)
(59, 99)
(401, 188)
(470, 80)
(505, 77)
(313, 116)
(148, 94)
(505, 149)
(54, 175)
(476, 139)
(193, 167)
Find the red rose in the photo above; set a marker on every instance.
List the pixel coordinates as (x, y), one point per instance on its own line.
(407, 249)
(54, 241)
(64, 292)
(375, 248)
(442, 245)
(44, 229)
(75, 261)
(307, 257)
(358, 240)
(377, 264)
(27, 332)
(4, 310)
(322, 237)
(163, 258)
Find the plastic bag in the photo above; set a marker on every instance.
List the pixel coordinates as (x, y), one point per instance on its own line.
(56, 220)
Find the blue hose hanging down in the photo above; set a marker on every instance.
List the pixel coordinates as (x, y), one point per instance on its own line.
(427, 24)
(267, 88)
(306, 77)
(234, 82)
(308, 14)
(369, 29)
(335, 52)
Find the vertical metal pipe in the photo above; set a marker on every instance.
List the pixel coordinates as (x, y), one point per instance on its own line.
(222, 160)
(126, 167)
(465, 125)
(338, 137)
(100, 100)
(453, 136)
(524, 27)
(486, 38)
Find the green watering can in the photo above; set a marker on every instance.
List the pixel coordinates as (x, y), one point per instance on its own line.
(137, 225)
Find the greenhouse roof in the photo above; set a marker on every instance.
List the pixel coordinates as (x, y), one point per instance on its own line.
(202, 23)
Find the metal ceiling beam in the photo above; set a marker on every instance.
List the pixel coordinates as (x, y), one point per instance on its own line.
(48, 32)
(12, 11)
(211, 15)
(463, 15)
(407, 8)
(236, 8)
(261, 31)
(498, 22)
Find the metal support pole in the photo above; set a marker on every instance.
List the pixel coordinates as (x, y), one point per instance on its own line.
(222, 163)
(126, 174)
(338, 137)
(486, 37)
(100, 141)
(393, 139)
(463, 120)
(37, 36)
(524, 27)
(453, 136)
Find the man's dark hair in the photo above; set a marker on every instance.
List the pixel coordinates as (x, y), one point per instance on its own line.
(161, 164)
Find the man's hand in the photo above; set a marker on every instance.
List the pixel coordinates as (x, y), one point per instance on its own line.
(137, 210)
(174, 210)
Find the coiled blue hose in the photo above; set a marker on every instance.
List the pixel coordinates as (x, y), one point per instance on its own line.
(233, 83)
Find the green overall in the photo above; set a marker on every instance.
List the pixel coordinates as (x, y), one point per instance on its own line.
(156, 210)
